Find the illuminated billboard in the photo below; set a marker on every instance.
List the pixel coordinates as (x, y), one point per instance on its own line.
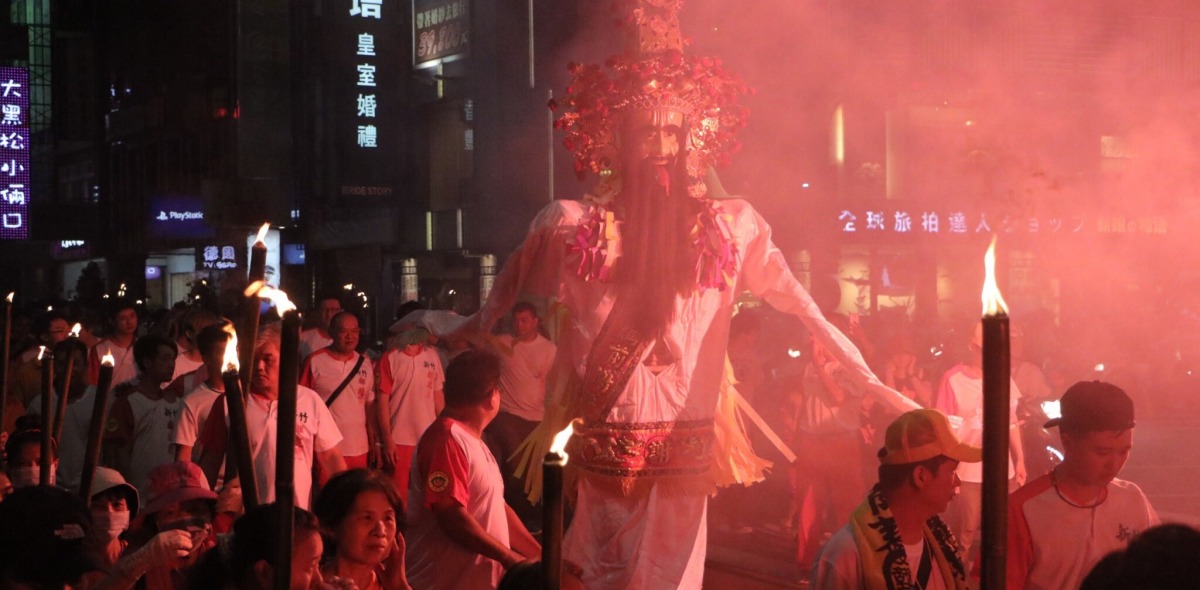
(14, 153)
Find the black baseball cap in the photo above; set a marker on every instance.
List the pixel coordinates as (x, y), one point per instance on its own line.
(42, 535)
(1094, 406)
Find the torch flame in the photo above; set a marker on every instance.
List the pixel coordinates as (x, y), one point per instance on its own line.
(10, 296)
(231, 363)
(108, 359)
(41, 352)
(75, 330)
(993, 302)
(277, 298)
(261, 238)
(559, 445)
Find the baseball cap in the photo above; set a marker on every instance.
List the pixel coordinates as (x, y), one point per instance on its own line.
(106, 479)
(171, 483)
(42, 534)
(919, 435)
(1094, 406)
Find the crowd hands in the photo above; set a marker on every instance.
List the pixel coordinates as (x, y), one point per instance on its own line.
(163, 515)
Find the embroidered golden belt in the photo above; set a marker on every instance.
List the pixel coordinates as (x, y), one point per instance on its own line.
(653, 449)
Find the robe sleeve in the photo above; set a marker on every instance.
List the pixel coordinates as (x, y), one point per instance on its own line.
(534, 268)
(765, 273)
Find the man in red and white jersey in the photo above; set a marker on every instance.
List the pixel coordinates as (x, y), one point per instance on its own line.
(461, 533)
(1061, 524)
(344, 380)
(410, 391)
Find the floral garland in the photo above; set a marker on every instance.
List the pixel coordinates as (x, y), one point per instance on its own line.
(595, 247)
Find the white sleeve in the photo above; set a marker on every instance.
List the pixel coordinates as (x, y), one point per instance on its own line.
(765, 273)
(186, 431)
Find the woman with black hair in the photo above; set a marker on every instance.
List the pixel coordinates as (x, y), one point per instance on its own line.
(360, 514)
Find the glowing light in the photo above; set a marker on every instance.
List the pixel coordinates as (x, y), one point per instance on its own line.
(10, 296)
(277, 298)
(108, 360)
(1052, 409)
(49, 308)
(348, 287)
(792, 352)
(993, 302)
(1099, 368)
(231, 350)
(1057, 453)
(559, 445)
(262, 234)
(41, 352)
(804, 185)
(75, 330)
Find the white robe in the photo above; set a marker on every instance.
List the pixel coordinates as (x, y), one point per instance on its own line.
(612, 537)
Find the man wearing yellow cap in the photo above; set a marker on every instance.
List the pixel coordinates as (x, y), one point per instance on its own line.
(895, 538)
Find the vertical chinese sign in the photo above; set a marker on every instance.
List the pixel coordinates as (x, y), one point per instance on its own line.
(366, 42)
(14, 153)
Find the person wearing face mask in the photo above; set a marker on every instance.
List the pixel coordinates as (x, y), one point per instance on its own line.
(173, 530)
(359, 512)
(23, 455)
(113, 504)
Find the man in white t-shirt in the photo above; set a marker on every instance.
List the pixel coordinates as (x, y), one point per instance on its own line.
(525, 360)
(317, 337)
(190, 356)
(199, 399)
(410, 388)
(120, 345)
(461, 534)
(1061, 524)
(340, 368)
(960, 396)
(141, 424)
(316, 434)
(895, 538)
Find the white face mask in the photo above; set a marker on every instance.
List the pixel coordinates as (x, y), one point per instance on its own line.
(29, 476)
(107, 526)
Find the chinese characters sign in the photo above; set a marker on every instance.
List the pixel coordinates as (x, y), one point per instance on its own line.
(14, 153)
(440, 30)
(966, 223)
(218, 257)
(367, 70)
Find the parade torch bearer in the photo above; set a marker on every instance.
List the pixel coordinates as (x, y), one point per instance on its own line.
(285, 447)
(7, 352)
(47, 359)
(995, 427)
(238, 444)
(249, 328)
(91, 457)
(552, 509)
(66, 388)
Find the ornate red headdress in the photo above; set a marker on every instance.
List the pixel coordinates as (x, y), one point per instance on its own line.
(653, 73)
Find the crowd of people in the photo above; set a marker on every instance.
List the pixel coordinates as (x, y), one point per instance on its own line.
(396, 484)
(406, 458)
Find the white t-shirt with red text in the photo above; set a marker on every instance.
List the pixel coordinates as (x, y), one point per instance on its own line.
(324, 373)
(412, 382)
